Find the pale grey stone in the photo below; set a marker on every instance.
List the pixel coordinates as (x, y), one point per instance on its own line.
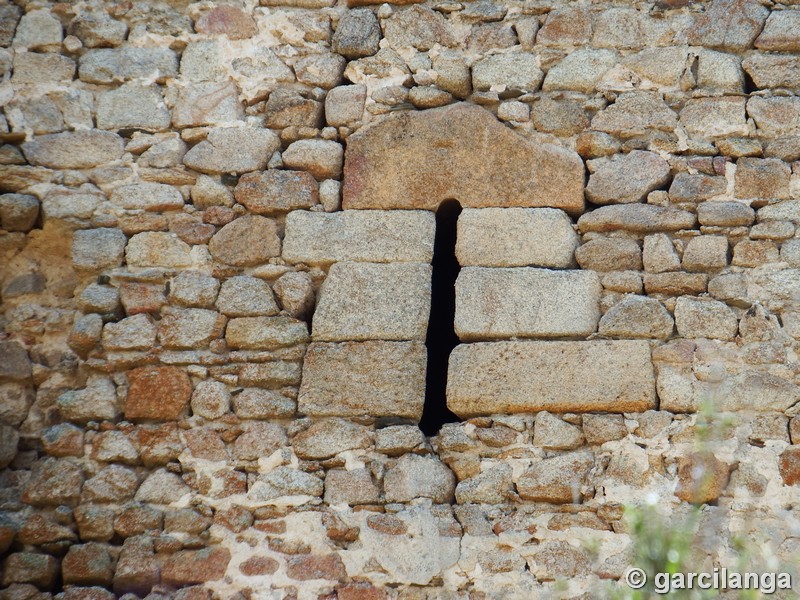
(628, 178)
(414, 476)
(373, 378)
(658, 254)
(580, 71)
(711, 118)
(285, 481)
(786, 210)
(74, 149)
(775, 116)
(259, 440)
(660, 65)
(295, 292)
(233, 150)
(65, 203)
(553, 433)
(9, 440)
(526, 376)
(357, 34)
(359, 235)
(320, 70)
(244, 296)
(790, 252)
(514, 71)
(186, 328)
(276, 191)
(725, 214)
(36, 68)
(158, 249)
(599, 429)
(781, 32)
(327, 438)
(265, 333)
(353, 487)
(719, 71)
(208, 192)
(398, 439)
(728, 25)
(18, 212)
(133, 106)
(491, 486)
(635, 114)
(705, 318)
(98, 249)
(247, 241)
(418, 27)
(452, 73)
(15, 398)
(637, 218)
(132, 333)
(211, 399)
(96, 402)
(193, 289)
(370, 301)
(202, 61)
(610, 254)
(512, 237)
(773, 70)
(706, 253)
(345, 104)
(255, 403)
(127, 62)
(95, 29)
(114, 484)
(99, 298)
(556, 480)
(525, 302)
(637, 317)
(162, 487)
(147, 196)
(322, 158)
(38, 30)
(208, 103)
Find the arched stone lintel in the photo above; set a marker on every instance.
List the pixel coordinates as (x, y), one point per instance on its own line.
(416, 160)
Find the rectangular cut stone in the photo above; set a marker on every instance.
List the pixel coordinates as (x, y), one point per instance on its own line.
(516, 237)
(525, 302)
(265, 333)
(359, 235)
(513, 377)
(376, 378)
(369, 301)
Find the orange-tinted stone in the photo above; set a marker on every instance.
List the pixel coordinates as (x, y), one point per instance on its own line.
(195, 566)
(158, 393)
(227, 20)
(789, 465)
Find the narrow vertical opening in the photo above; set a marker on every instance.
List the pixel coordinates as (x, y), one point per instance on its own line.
(441, 337)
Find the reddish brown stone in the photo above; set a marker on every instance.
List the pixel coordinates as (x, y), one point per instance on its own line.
(138, 519)
(789, 465)
(54, 482)
(191, 229)
(39, 530)
(87, 564)
(219, 215)
(63, 439)
(139, 298)
(27, 567)
(222, 483)
(205, 443)
(360, 591)
(701, 478)
(137, 568)
(7, 535)
(235, 518)
(259, 565)
(159, 444)
(227, 20)
(195, 566)
(387, 524)
(159, 393)
(308, 566)
(338, 530)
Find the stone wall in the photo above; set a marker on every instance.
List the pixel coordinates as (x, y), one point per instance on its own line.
(215, 265)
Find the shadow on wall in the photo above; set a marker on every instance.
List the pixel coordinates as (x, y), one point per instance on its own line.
(441, 337)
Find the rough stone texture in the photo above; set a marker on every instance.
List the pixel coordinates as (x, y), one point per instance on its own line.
(265, 333)
(613, 376)
(357, 35)
(525, 302)
(515, 71)
(387, 165)
(247, 241)
(73, 149)
(704, 318)
(637, 218)
(96, 249)
(557, 480)
(273, 192)
(419, 477)
(232, 149)
(515, 237)
(637, 317)
(368, 301)
(359, 235)
(628, 179)
(157, 393)
(363, 378)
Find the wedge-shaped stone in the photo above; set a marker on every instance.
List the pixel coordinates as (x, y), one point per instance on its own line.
(418, 159)
(514, 377)
(379, 379)
(525, 302)
(515, 237)
(368, 301)
(359, 235)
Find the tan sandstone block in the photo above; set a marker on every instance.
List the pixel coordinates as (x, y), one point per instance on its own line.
(526, 302)
(516, 237)
(359, 235)
(513, 377)
(373, 378)
(419, 159)
(369, 301)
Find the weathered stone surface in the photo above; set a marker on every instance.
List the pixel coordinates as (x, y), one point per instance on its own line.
(557, 480)
(295, 292)
(766, 178)
(627, 179)
(95, 29)
(328, 438)
(553, 433)
(73, 149)
(185, 328)
(706, 253)
(157, 393)
(725, 214)
(613, 376)
(580, 70)
(635, 114)
(419, 27)
(637, 218)
(39, 30)
(775, 116)
(637, 317)
(322, 158)
(158, 249)
(773, 70)
(353, 487)
(147, 196)
(53, 482)
(492, 486)
(525, 302)
(702, 478)
(728, 25)
(514, 71)
(40, 570)
(720, 71)
(193, 289)
(244, 296)
(14, 362)
(285, 481)
(18, 212)
(126, 63)
(33, 67)
(96, 402)
(227, 20)
(265, 333)
(132, 106)
(357, 35)
(15, 398)
(599, 429)
(98, 249)
(195, 566)
(359, 235)
(610, 254)
(274, 191)
(9, 439)
(345, 104)
(781, 32)
(705, 318)
(389, 165)
(246, 241)
(233, 150)
(369, 301)
(373, 378)
(712, 118)
(211, 399)
(210, 103)
(512, 237)
(416, 476)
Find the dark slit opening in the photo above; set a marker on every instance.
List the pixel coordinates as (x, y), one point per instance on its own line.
(441, 337)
